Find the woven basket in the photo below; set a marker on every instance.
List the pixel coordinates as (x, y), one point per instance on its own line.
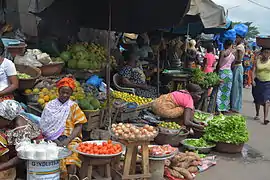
(263, 41)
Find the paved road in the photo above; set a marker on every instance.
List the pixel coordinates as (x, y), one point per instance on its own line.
(238, 168)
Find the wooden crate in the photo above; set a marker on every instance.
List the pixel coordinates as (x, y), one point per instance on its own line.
(121, 113)
(93, 120)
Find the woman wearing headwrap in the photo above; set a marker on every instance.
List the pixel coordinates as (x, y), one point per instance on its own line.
(179, 104)
(8, 76)
(61, 122)
(13, 129)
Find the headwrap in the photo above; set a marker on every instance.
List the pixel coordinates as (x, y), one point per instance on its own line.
(10, 109)
(68, 82)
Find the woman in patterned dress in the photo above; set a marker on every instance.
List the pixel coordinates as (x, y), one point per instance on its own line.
(13, 129)
(225, 73)
(134, 77)
(61, 122)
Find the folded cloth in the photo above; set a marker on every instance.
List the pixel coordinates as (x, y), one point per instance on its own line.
(207, 162)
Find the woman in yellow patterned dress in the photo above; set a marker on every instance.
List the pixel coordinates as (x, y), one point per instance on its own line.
(61, 122)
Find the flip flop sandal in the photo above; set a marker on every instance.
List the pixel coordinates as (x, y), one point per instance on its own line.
(257, 118)
(73, 177)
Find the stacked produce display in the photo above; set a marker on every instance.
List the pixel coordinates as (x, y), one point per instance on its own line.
(84, 95)
(205, 80)
(131, 132)
(227, 129)
(85, 56)
(103, 148)
(23, 75)
(131, 98)
(183, 165)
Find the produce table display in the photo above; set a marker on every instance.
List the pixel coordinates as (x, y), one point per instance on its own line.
(135, 142)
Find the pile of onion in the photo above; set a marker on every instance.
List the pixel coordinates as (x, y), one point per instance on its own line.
(134, 133)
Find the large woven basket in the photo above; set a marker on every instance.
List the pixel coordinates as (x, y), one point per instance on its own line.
(263, 41)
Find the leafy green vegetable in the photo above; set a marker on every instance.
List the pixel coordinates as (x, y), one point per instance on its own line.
(200, 116)
(227, 129)
(204, 80)
(197, 143)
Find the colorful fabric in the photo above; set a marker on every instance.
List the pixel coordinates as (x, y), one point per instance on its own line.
(261, 92)
(6, 97)
(68, 82)
(210, 61)
(3, 145)
(237, 88)
(136, 76)
(263, 69)
(53, 118)
(248, 63)
(76, 116)
(224, 90)
(10, 109)
(29, 131)
(206, 163)
(165, 107)
(183, 99)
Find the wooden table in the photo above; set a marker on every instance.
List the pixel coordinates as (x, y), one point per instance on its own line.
(131, 157)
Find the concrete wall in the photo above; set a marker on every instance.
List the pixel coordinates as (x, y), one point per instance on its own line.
(19, 17)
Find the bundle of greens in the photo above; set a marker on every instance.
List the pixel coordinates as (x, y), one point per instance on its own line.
(204, 80)
(199, 143)
(227, 129)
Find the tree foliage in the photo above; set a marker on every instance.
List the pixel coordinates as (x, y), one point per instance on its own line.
(253, 31)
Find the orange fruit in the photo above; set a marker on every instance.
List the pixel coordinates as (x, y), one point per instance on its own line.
(46, 98)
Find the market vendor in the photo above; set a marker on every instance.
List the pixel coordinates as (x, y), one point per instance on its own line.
(134, 77)
(179, 103)
(8, 76)
(61, 122)
(14, 129)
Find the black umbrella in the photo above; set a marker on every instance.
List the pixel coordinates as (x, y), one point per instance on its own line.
(126, 16)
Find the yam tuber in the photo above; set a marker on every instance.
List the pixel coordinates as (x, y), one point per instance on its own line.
(193, 154)
(175, 173)
(184, 172)
(193, 169)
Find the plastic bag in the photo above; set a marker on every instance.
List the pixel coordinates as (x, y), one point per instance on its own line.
(94, 81)
(27, 60)
(241, 30)
(228, 35)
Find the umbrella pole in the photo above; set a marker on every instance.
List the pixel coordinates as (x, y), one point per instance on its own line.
(108, 81)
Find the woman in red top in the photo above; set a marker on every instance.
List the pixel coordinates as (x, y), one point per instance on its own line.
(14, 128)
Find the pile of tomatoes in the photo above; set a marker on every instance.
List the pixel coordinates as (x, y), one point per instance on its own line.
(102, 149)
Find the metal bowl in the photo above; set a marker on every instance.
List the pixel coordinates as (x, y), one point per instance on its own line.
(99, 142)
(159, 156)
(200, 149)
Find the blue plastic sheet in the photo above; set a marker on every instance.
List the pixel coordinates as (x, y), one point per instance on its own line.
(241, 30)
